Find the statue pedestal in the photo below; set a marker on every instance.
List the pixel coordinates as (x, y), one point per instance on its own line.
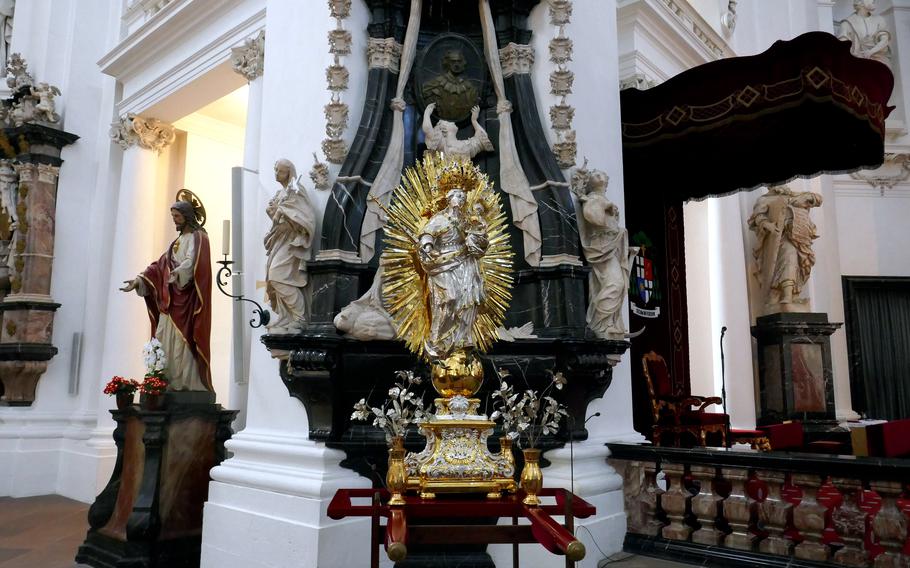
(150, 512)
(795, 374)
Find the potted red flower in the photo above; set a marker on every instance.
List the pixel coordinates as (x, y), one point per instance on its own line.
(123, 389)
(152, 390)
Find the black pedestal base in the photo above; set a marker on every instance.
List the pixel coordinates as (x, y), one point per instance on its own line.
(150, 513)
(796, 380)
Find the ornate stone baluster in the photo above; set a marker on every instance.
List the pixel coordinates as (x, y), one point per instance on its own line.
(809, 519)
(704, 505)
(738, 509)
(649, 500)
(890, 526)
(775, 513)
(674, 502)
(850, 523)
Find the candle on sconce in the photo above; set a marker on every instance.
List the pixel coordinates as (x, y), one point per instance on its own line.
(226, 238)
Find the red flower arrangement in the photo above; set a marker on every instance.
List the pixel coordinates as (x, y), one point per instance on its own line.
(153, 385)
(119, 385)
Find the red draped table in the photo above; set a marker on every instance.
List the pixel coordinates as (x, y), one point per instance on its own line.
(405, 526)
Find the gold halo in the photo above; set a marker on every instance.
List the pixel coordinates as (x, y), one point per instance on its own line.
(405, 291)
(193, 199)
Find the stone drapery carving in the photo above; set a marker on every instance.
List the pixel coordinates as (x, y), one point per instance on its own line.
(561, 79)
(365, 318)
(512, 178)
(148, 133)
(783, 255)
(868, 33)
(384, 53)
(248, 59)
(442, 136)
(337, 77)
(607, 250)
(287, 245)
(7, 11)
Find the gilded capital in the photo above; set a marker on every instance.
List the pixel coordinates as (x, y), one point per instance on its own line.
(148, 133)
(248, 58)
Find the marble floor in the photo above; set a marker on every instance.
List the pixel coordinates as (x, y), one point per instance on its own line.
(45, 531)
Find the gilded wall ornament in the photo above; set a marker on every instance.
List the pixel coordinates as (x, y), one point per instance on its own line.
(335, 150)
(561, 116)
(249, 58)
(336, 116)
(340, 42)
(560, 12)
(148, 133)
(340, 9)
(561, 82)
(566, 149)
(560, 50)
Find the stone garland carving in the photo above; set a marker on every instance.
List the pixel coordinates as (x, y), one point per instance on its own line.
(148, 133)
(319, 174)
(337, 77)
(868, 33)
(783, 254)
(894, 170)
(561, 80)
(248, 59)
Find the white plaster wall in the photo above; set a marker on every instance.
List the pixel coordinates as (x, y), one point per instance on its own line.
(873, 230)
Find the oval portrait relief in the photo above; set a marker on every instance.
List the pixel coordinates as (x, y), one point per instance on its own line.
(450, 72)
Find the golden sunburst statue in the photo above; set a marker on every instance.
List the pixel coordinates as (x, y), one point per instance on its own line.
(447, 259)
(447, 284)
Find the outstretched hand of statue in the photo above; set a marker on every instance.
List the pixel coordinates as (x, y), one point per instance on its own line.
(431, 108)
(475, 112)
(130, 285)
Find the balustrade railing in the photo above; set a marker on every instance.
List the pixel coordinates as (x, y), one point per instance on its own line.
(732, 507)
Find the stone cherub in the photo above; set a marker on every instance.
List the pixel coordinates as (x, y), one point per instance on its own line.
(783, 255)
(45, 110)
(443, 136)
(606, 247)
(287, 245)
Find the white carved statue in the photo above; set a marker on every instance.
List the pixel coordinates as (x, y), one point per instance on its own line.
(783, 255)
(606, 247)
(45, 109)
(287, 245)
(443, 136)
(365, 318)
(9, 191)
(868, 33)
(7, 10)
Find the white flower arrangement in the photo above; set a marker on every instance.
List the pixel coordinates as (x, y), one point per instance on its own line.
(403, 407)
(526, 413)
(154, 358)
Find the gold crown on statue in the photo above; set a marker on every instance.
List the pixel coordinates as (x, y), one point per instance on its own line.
(455, 174)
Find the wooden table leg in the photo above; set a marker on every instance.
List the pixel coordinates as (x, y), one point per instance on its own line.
(374, 532)
(515, 545)
(396, 535)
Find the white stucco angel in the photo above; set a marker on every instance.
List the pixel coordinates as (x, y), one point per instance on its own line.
(606, 247)
(45, 109)
(443, 136)
(287, 245)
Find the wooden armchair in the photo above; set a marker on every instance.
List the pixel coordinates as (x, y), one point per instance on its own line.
(678, 412)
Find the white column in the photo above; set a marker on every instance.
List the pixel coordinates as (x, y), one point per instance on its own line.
(276, 486)
(825, 289)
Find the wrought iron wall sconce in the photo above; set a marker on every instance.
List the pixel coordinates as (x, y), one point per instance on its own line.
(225, 272)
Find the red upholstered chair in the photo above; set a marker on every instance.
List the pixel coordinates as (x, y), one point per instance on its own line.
(679, 412)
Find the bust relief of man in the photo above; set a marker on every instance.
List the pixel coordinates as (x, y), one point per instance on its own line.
(453, 94)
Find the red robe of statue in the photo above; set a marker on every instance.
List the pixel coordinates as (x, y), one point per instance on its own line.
(189, 308)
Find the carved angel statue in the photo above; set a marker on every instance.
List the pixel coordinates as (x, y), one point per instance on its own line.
(783, 255)
(46, 109)
(606, 247)
(446, 241)
(287, 245)
(365, 318)
(443, 136)
(868, 33)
